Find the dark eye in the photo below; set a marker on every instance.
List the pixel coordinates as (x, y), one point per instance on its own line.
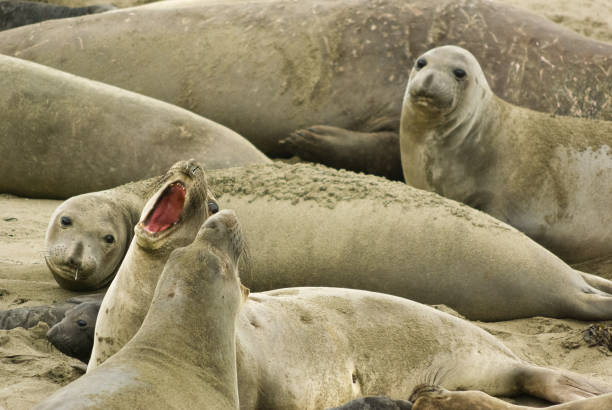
(421, 62)
(459, 73)
(213, 208)
(65, 221)
(81, 323)
(109, 239)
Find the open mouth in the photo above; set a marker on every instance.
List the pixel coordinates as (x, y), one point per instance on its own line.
(167, 210)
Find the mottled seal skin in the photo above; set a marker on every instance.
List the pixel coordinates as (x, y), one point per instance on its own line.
(392, 238)
(74, 334)
(346, 68)
(550, 177)
(16, 13)
(430, 397)
(82, 136)
(127, 301)
(184, 354)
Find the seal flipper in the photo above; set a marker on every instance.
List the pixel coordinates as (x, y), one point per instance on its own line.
(375, 153)
(557, 386)
(597, 282)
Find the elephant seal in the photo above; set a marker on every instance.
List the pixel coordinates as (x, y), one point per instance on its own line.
(170, 219)
(308, 77)
(550, 177)
(89, 234)
(184, 354)
(392, 238)
(328, 335)
(74, 334)
(430, 397)
(15, 13)
(58, 122)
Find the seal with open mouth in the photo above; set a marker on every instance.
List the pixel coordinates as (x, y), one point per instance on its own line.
(184, 355)
(170, 219)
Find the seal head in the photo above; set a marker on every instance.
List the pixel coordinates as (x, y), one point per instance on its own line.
(86, 240)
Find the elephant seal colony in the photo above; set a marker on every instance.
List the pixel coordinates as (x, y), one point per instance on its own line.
(332, 360)
(429, 397)
(550, 177)
(80, 136)
(389, 237)
(170, 219)
(180, 356)
(305, 74)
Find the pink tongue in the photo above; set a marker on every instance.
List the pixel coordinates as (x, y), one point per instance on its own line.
(167, 209)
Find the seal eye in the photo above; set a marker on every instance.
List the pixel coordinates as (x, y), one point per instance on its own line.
(459, 73)
(421, 62)
(65, 221)
(81, 323)
(213, 208)
(109, 239)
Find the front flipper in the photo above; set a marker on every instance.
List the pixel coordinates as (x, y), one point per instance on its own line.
(375, 153)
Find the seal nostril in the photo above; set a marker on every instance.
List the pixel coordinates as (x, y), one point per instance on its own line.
(428, 80)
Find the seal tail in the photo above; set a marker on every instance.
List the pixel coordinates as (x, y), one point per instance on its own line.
(558, 386)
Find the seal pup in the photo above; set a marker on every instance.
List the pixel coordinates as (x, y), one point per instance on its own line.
(74, 334)
(15, 13)
(170, 219)
(548, 176)
(426, 248)
(184, 354)
(28, 317)
(58, 121)
(431, 397)
(346, 68)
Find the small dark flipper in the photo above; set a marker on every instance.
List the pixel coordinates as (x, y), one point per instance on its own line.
(375, 153)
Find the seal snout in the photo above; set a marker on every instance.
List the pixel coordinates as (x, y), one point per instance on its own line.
(223, 229)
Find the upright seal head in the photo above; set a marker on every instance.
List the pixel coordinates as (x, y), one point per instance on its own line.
(170, 219)
(446, 101)
(191, 325)
(548, 176)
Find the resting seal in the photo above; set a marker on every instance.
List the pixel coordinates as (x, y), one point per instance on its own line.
(327, 336)
(89, 234)
(550, 177)
(308, 77)
(74, 334)
(184, 354)
(82, 136)
(389, 237)
(170, 219)
(428, 397)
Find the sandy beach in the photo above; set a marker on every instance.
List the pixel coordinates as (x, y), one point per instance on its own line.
(31, 368)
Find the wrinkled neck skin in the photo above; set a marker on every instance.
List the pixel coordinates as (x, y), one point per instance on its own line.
(445, 152)
(198, 343)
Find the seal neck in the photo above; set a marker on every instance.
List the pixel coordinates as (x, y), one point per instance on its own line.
(198, 340)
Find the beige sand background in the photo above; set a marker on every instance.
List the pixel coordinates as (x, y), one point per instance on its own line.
(30, 368)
